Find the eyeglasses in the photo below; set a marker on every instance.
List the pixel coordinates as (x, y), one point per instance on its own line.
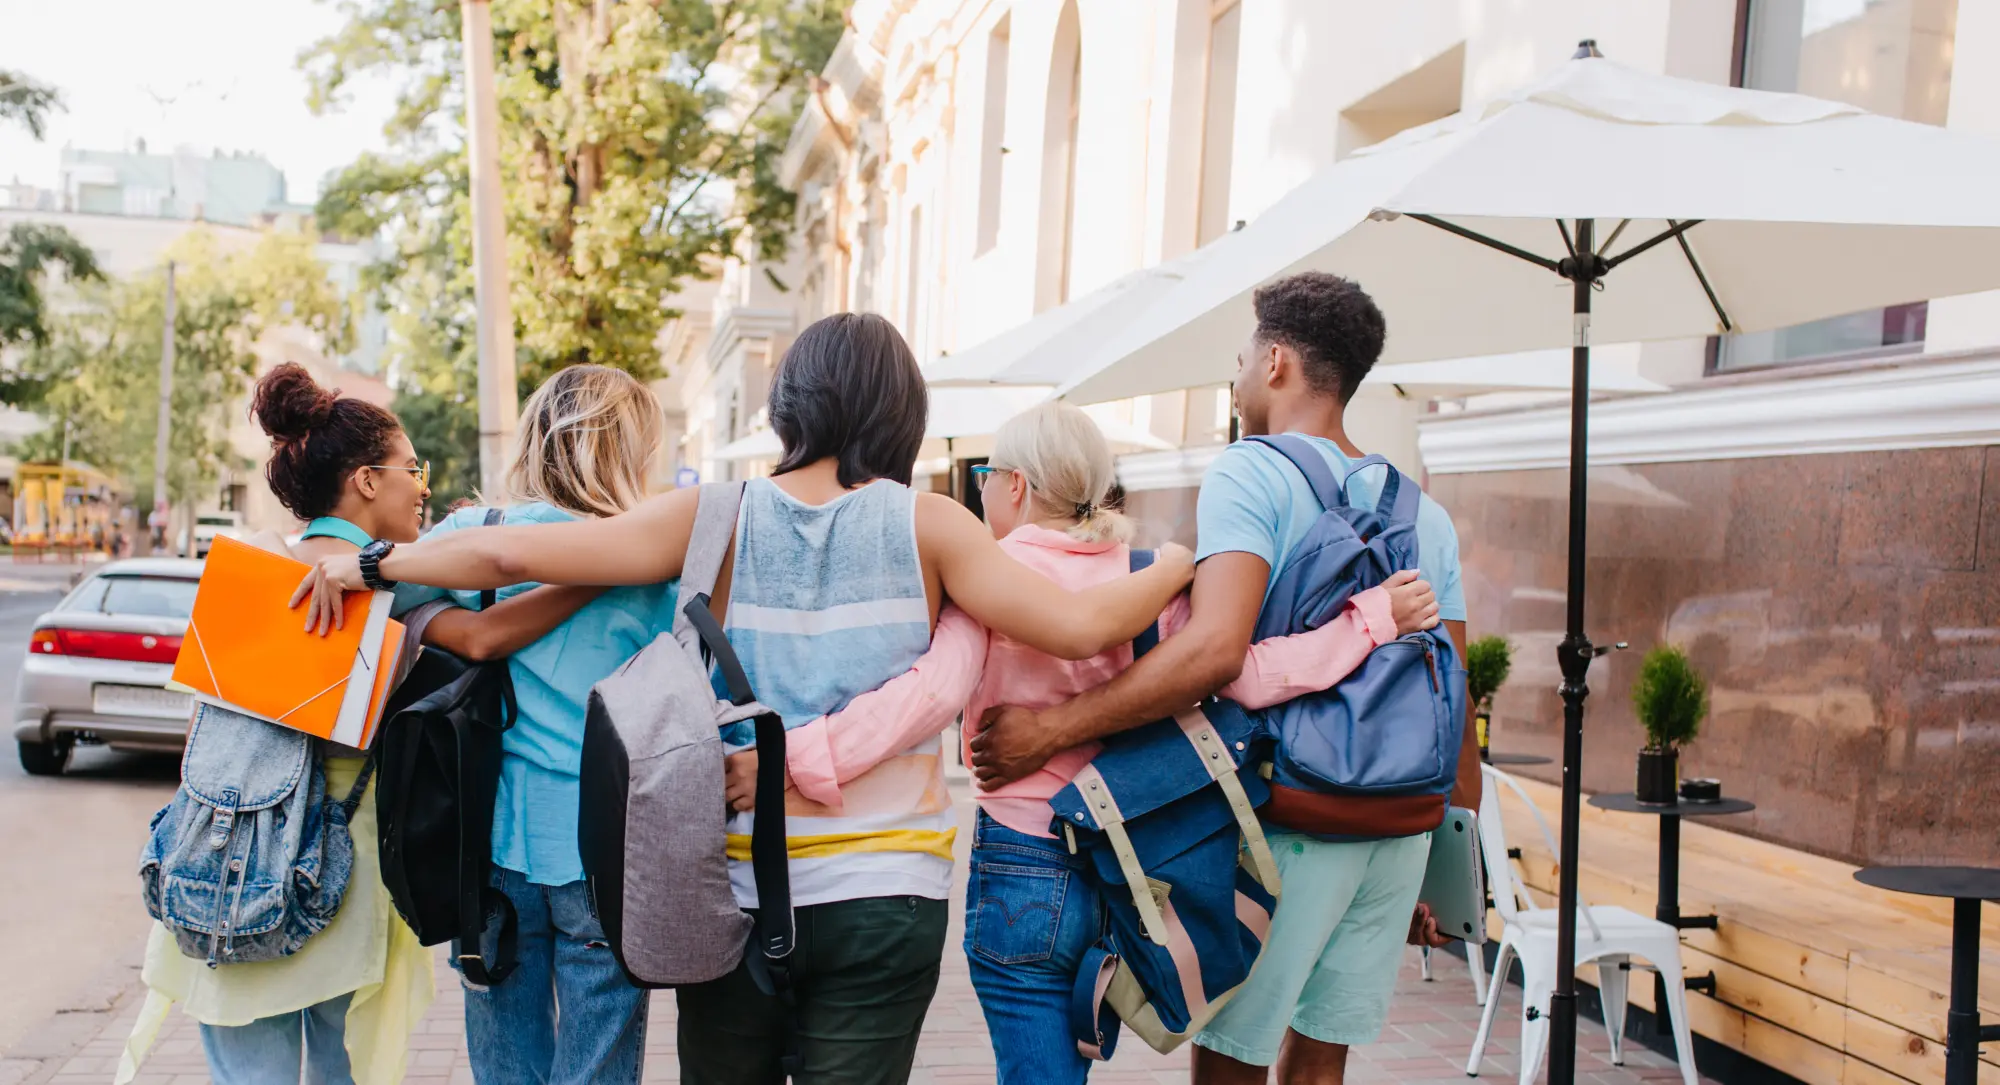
(983, 471)
(422, 471)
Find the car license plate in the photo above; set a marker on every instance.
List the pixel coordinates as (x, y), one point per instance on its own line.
(149, 701)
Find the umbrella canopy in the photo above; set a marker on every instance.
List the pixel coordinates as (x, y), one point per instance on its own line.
(961, 415)
(1538, 370)
(1048, 347)
(1805, 209)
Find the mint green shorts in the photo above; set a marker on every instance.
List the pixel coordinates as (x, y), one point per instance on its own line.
(1328, 969)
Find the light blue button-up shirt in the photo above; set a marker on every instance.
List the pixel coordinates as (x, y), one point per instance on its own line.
(534, 816)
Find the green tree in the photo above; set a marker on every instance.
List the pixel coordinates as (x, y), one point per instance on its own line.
(98, 370)
(30, 251)
(26, 102)
(638, 143)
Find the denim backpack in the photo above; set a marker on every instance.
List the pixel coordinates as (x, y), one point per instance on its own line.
(1166, 815)
(251, 858)
(1377, 755)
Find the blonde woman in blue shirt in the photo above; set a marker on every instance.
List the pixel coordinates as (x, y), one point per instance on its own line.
(566, 1014)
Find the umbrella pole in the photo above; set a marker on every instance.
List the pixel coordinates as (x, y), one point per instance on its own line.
(1573, 657)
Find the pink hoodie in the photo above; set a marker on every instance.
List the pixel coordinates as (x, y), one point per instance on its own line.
(969, 670)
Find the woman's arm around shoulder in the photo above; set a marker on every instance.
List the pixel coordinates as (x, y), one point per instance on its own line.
(510, 625)
(875, 726)
(1008, 597)
(645, 545)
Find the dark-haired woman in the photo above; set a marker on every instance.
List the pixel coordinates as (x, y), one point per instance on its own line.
(838, 575)
(342, 1008)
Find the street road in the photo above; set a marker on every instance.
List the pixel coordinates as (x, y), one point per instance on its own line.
(69, 847)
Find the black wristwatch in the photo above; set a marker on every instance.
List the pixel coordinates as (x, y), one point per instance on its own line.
(371, 565)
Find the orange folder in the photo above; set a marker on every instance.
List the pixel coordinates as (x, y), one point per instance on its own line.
(246, 649)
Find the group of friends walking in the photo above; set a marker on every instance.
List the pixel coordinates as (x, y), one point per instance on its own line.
(870, 617)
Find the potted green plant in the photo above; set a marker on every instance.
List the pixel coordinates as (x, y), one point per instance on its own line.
(1671, 699)
(1487, 661)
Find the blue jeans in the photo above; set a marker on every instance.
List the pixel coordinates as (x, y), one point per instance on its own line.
(566, 1015)
(1029, 918)
(271, 1050)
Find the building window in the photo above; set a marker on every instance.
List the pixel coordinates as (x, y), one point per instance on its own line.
(1059, 153)
(993, 134)
(1218, 121)
(1891, 57)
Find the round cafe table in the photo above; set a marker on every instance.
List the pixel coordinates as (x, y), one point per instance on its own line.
(1667, 908)
(1966, 886)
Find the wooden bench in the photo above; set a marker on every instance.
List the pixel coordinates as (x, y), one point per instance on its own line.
(1817, 975)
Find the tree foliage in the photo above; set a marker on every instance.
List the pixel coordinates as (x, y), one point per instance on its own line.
(30, 251)
(97, 372)
(26, 102)
(638, 143)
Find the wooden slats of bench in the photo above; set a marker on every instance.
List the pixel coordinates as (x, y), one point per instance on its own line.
(1817, 975)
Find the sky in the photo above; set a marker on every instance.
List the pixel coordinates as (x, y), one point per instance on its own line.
(212, 74)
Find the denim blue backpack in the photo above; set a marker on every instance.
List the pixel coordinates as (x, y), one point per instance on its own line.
(252, 857)
(1166, 814)
(1375, 756)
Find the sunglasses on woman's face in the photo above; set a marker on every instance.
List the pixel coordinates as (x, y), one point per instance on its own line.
(422, 471)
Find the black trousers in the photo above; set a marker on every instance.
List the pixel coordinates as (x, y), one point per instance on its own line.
(864, 971)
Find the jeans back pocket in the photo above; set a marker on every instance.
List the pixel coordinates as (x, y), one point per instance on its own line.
(1019, 912)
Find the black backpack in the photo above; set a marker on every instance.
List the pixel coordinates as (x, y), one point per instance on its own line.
(438, 771)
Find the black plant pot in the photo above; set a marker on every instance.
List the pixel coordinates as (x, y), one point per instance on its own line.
(1659, 777)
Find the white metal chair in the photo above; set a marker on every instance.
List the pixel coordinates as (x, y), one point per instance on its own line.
(1608, 935)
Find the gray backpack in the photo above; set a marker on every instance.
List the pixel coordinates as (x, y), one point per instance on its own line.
(652, 818)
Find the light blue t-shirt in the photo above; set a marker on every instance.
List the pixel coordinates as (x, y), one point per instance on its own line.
(1254, 501)
(534, 815)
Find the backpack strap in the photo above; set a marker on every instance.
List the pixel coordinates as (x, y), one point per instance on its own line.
(494, 518)
(1150, 639)
(714, 529)
(1319, 475)
(770, 861)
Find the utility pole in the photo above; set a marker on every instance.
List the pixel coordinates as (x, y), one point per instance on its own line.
(498, 402)
(160, 505)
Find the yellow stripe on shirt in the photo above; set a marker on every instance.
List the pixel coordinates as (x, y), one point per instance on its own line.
(921, 841)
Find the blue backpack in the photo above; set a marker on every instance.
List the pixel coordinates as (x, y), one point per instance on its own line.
(1375, 756)
(1166, 815)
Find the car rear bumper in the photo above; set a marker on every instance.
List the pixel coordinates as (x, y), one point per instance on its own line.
(56, 698)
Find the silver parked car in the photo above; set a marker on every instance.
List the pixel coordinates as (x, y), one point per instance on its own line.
(98, 664)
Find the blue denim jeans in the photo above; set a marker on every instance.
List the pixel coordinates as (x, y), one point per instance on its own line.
(1029, 918)
(272, 1049)
(566, 1015)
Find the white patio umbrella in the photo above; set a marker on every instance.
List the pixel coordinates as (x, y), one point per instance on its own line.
(1048, 347)
(962, 415)
(1697, 209)
(1529, 371)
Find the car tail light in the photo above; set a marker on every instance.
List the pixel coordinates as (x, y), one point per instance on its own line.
(105, 644)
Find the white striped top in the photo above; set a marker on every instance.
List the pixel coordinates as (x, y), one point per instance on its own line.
(827, 602)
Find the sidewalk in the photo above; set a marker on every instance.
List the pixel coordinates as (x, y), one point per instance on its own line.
(1429, 1034)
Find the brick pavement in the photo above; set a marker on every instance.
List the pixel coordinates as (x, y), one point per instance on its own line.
(1429, 1034)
